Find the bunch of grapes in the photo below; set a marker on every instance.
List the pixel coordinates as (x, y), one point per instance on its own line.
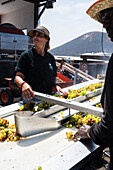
(3, 135)
(7, 132)
(44, 105)
(76, 93)
(82, 91)
(90, 119)
(78, 120)
(69, 135)
(99, 105)
(12, 135)
(29, 106)
(92, 87)
(4, 122)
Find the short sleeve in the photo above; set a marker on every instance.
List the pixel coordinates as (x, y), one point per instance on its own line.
(22, 64)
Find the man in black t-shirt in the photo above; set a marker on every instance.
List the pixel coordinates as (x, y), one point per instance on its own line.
(102, 132)
(36, 69)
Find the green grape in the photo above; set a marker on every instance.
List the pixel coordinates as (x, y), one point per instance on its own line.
(39, 168)
(66, 125)
(83, 93)
(70, 125)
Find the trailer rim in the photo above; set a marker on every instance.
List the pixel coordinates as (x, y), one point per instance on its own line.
(6, 97)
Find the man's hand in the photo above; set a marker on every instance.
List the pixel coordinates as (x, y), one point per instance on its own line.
(83, 133)
(27, 91)
(58, 88)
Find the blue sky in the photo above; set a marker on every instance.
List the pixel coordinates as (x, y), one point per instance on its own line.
(68, 20)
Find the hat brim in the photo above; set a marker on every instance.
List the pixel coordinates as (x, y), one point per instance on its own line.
(98, 6)
(31, 33)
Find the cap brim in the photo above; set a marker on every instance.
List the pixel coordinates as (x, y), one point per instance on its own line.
(31, 33)
(98, 6)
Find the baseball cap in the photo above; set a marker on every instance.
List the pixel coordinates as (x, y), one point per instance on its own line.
(40, 29)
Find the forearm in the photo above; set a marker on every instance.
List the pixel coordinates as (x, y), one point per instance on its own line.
(58, 88)
(101, 134)
(26, 88)
(18, 81)
(56, 83)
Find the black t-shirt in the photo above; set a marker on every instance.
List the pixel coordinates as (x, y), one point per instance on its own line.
(39, 71)
(102, 132)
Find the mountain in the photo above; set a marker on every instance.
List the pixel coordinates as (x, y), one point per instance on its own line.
(86, 43)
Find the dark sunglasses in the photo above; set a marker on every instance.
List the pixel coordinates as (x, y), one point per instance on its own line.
(40, 35)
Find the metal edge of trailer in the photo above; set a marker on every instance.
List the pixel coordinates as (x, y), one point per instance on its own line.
(24, 121)
(69, 104)
(10, 109)
(74, 156)
(57, 108)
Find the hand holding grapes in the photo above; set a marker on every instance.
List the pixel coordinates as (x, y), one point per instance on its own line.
(83, 133)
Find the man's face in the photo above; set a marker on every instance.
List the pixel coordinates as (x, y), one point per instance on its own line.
(39, 38)
(107, 20)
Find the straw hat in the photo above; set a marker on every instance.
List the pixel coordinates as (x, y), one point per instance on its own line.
(94, 10)
(40, 29)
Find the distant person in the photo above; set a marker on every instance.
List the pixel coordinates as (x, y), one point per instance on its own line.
(36, 68)
(102, 132)
(61, 67)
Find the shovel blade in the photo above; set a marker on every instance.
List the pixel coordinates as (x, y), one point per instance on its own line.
(28, 125)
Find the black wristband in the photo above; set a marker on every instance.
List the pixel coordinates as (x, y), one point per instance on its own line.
(22, 84)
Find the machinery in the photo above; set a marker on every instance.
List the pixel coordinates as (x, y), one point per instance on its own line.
(45, 136)
(44, 141)
(13, 42)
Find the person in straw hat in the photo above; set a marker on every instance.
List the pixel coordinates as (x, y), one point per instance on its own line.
(36, 68)
(102, 132)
